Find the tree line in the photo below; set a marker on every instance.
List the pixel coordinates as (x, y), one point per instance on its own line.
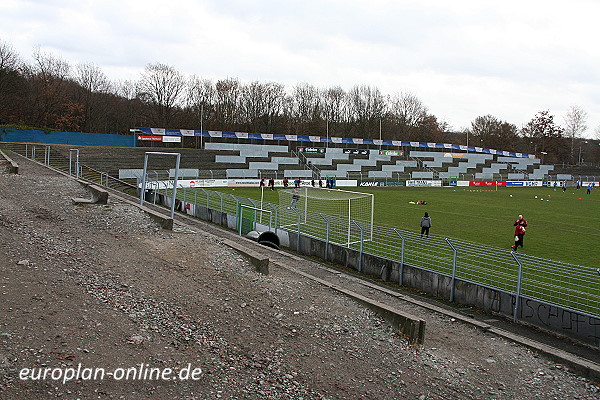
(50, 93)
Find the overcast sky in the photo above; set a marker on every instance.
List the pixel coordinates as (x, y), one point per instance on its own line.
(462, 58)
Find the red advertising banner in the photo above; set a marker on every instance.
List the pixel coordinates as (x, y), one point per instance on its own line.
(487, 183)
(151, 138)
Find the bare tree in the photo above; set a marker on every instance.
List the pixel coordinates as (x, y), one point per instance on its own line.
(545, 135)
(201, 96)
(366, 108)
(274, 103)
(575, 125)
(50, 77)
(126, 110)
(305, 107)
(93, 85)
(161, 87)
(406, 112)
(252, 105)
(334, 108)
(306, 102)
(488, 131)
(408, 108)
(260, 104)
(126, 89)
(227, 102)
(9, 64)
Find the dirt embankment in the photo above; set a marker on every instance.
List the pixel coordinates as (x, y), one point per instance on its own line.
(104, 287)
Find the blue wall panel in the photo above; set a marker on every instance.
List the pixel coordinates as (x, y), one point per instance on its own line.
(72, 138)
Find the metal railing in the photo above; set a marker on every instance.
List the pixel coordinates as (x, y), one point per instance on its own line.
(316, 171)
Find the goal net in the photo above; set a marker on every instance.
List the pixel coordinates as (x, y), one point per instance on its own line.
(342, 215)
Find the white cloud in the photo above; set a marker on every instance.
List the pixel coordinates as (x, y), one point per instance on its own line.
(462, 58)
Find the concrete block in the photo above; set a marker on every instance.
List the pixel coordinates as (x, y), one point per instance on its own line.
(164, 221)
(13, 166)
(99, 195)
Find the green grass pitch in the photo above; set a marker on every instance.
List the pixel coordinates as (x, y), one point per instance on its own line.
(562, 226)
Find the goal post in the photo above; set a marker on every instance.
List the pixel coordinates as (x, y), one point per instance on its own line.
(347, 214)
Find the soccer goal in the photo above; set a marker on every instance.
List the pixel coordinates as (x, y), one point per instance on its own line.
(345, 215)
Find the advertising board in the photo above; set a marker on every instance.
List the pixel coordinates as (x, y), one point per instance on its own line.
(362, 152)
(171, 139)
(149, 138)
(391, 152)
(317, 150)
(487, 183)
(424, 183)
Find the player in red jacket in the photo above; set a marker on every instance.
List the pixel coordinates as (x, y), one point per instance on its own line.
(520, 221)
(519, 225)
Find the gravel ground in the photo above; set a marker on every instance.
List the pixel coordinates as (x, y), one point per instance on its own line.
(104, 287)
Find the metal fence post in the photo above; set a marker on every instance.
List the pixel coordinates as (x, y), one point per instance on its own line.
(76, 151)
(361, 246)
(299, 219)
(326, 236)
(401, 271)
(156, 189)
(274, 208)
(47, 156)
(518, 293)
(234, 201)
(221, 201)
(204, 190)
(453, 283)
(239, 212)
(143, 187)
(175, 185)
(77, 166)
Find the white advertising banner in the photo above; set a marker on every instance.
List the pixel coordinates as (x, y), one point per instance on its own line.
(524, 183)
(424, 183)
(186, 183)
(243, 182)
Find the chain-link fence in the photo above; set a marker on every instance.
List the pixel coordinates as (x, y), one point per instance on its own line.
(569, 286)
